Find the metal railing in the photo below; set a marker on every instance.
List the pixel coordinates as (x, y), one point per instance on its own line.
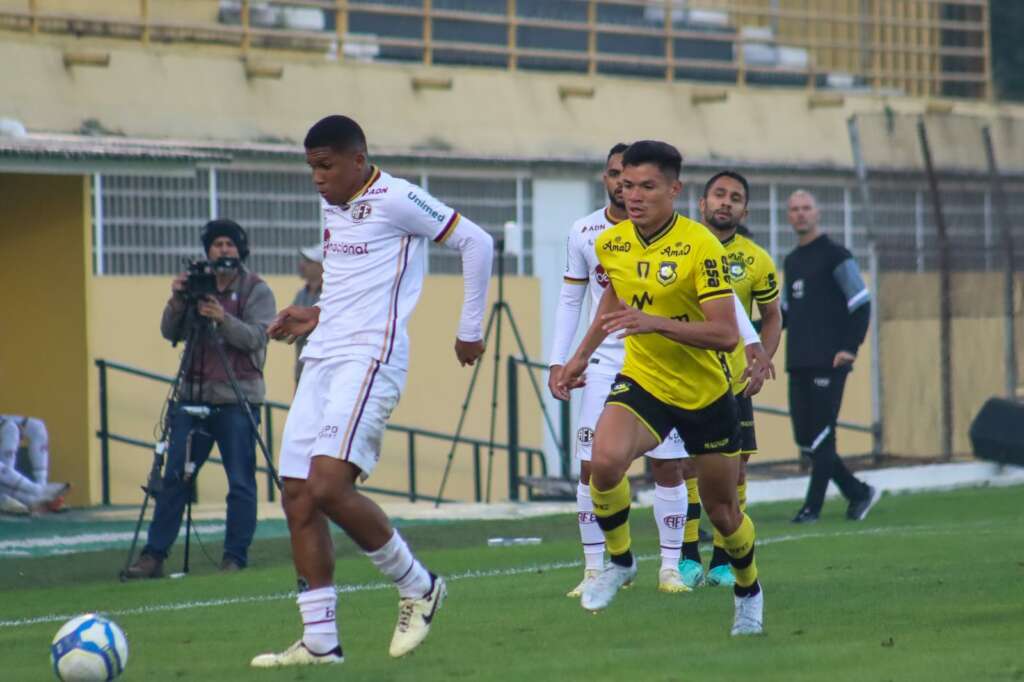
(412, 434)
(564, 443)
(917, 47)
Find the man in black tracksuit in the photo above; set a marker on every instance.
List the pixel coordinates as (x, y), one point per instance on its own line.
(827, 309)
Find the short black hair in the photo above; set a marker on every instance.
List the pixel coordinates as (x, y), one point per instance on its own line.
(617, 149)
(340, 133)
(729, 174)
(663, 155)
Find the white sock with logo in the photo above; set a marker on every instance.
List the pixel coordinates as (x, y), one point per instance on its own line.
(319, 622)
(395, 560)
(590, 533)
(670, 515)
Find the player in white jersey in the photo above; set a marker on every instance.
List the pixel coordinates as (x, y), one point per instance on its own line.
(583, 275)
(20, 493)
(376, 231)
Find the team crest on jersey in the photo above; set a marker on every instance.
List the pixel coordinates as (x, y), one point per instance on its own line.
(585, 435)
(667, 272)
(601, 276)
(737, 270)
(361, 211)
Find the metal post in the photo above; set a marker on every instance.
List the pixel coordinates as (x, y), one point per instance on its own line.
(862, 178)
(919, 229)
(97, 221)
(877, 434)
(341, 26)
(428, 50)
(520, 217)
(510, 18)
(591, 37)
(268, 430)
(1009, 311)
(513, 431)
(987, 225)
(847, 219)
(945, 305)
(246, 38)
(773, 221)
(411, 435)
(213, 193)
(144, 16)
(104, 435)
(477, 496)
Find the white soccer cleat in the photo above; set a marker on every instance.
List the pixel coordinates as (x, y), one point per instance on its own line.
(671, 582)
(599, 594)
(415, 617)
(589, 576)
(749, 618)
(9, 505)
(297, 654)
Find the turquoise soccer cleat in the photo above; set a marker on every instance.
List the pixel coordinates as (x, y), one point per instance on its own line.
(692, 573)
(720, 576)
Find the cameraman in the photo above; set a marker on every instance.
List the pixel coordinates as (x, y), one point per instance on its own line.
(235, 316)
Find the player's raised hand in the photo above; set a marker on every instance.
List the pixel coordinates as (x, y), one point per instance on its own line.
(293, 322)
(629, 321)
(570, 377)
(554, 373)
(468, 352)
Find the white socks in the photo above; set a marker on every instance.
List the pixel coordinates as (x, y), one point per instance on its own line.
(590, 532)
(320, 626)
(395, 560)
(670, 515)
(18, 486)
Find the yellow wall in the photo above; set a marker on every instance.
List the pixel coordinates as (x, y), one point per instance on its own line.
(195, 92)
(44, 357)
(911, 357)
(124, 327)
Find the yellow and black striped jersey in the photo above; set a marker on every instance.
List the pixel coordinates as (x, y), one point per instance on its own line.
(669, 274)
(754, 278)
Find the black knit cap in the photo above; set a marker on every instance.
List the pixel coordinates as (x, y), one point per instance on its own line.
(222, 227)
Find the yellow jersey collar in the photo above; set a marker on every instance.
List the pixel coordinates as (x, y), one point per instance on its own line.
(662, 231)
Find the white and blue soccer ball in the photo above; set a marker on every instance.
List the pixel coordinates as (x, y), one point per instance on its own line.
(89, 648)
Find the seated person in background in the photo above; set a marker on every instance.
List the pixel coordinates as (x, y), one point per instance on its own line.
(19, 494)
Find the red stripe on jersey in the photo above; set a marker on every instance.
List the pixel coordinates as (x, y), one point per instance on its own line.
(448, 228)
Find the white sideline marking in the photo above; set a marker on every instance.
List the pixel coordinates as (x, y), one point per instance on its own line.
(466, 575)
(12, 546)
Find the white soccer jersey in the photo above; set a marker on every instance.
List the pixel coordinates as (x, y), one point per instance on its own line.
(373, 269)
(582, 268)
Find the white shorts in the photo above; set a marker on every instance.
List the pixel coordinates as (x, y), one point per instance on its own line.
(594, 394)
(340, 410)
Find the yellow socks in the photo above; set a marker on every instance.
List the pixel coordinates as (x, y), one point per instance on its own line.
(611, 507)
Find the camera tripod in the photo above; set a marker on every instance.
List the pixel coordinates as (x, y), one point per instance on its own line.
(197, 329)
(500, 310)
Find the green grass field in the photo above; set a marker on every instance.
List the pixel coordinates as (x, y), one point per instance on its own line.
(930, 587)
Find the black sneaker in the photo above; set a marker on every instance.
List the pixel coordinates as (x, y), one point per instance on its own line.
(805, 515)
(860, 508)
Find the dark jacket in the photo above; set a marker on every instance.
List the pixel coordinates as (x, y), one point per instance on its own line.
(249, 308)
(827, 307)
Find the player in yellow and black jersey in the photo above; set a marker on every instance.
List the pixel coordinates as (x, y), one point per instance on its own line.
(669, 295)
(723, 208)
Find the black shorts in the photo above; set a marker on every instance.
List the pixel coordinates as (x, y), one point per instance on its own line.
(748, 438)
(714, 429)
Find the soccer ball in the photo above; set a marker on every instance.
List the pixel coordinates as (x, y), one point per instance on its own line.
(89, 648)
